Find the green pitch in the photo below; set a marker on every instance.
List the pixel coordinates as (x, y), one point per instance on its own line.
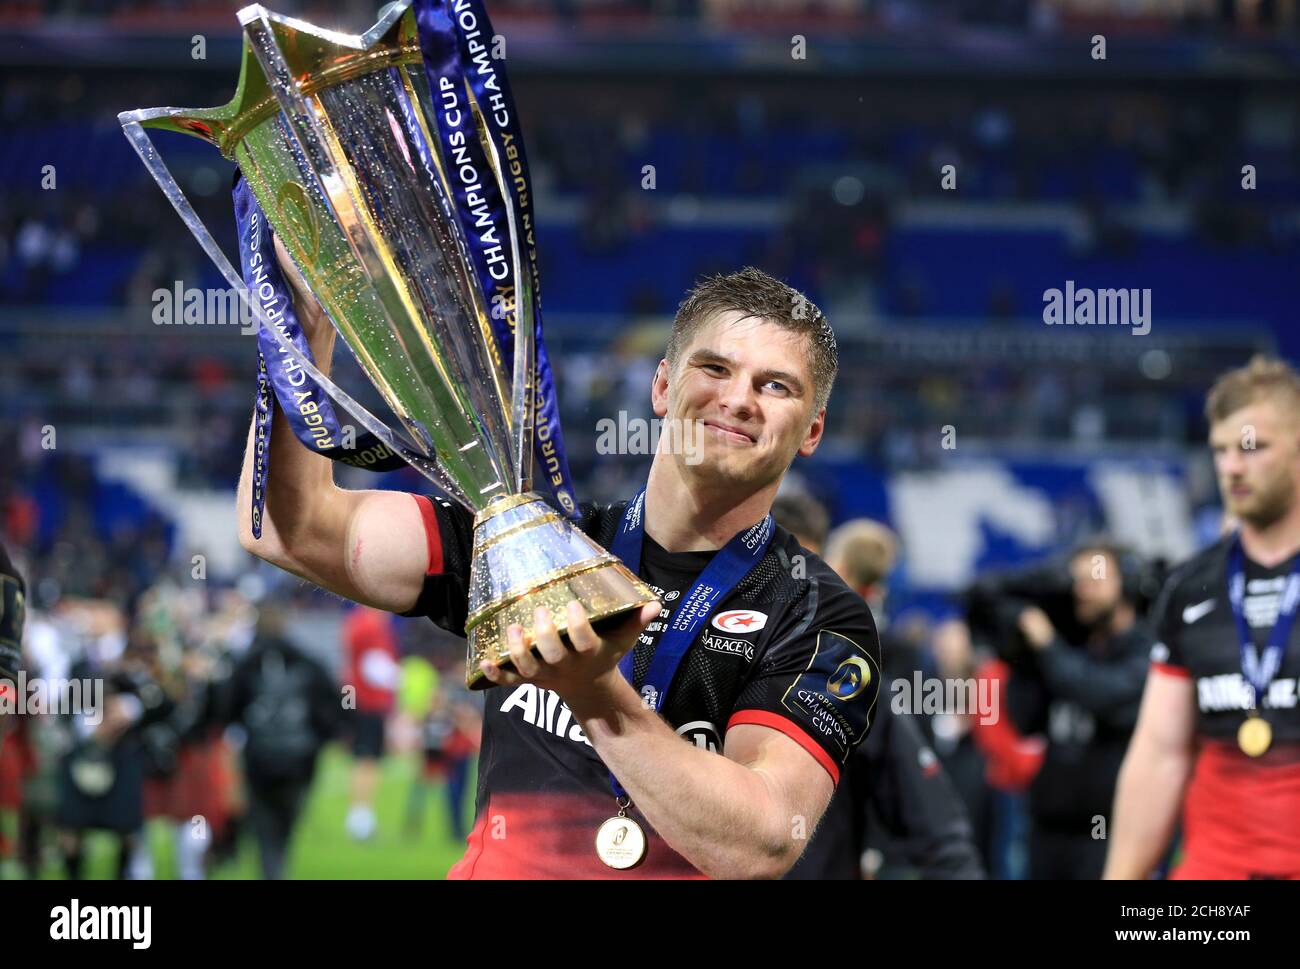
(321, 847)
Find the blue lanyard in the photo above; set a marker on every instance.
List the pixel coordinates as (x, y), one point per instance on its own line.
(735, 561)
(1260, 668)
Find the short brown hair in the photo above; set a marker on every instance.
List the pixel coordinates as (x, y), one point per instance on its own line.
(1263, 377)
(865, 550)
(802, 516)
(756, 294)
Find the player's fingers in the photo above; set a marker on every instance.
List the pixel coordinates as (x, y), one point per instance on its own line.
(581, 634)
(545, 636)
(637, 621)
(498, 676)
(624, 637)
(520, 654)
(648, 614)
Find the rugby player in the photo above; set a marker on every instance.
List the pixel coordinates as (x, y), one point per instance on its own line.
(1218, 731)
(12, 616)
(370, 668)
(729, 776)
(12, 612)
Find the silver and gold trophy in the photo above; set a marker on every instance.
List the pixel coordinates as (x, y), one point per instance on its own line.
(391, 167)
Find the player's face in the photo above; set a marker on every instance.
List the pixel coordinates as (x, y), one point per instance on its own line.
(742, 397)
(1257, 460)
(1097, 586)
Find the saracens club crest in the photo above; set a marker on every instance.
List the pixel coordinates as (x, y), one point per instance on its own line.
(738, 622)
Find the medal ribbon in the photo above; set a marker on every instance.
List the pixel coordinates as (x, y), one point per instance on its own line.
(1260, 668)
(735, 561)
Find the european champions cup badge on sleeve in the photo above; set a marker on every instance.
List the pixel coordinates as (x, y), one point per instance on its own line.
(828, 695)
(849, 679)
(391, 166)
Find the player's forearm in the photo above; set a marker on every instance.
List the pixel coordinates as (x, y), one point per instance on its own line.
(1147, 799)
(721, 816)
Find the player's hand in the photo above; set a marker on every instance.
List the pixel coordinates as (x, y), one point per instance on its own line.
(587, 669)
(311, 315)
(1036, 627)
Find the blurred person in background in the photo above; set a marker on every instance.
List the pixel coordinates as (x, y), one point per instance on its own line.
(1085, 697)
(370, 667)
(191, 787)
(15, 748)
(199, 795)
(30, 757)
(101, 779)
(894, 799)
(1219, 729)
(226, 636)
(977, 773)
(159, 740)
(287, 705)
(13, 598)
(449, 726)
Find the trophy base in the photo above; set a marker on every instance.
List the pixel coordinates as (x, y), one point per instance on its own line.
(526, 556)
(490, 643)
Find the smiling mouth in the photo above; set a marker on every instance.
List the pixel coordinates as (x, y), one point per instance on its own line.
(729, 433)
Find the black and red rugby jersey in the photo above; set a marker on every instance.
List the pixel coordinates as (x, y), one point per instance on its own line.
(1241, 815)
(786, 649)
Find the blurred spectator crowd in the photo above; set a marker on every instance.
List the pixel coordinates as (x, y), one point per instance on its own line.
(1040, 15)
(194, 709)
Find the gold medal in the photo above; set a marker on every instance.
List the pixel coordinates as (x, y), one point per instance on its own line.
(1255, 735)
(620, 842)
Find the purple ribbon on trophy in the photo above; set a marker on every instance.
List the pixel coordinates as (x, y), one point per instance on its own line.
(467, 23)
(307, 408)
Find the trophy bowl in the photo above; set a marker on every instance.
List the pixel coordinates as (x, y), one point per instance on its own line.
(375, 160)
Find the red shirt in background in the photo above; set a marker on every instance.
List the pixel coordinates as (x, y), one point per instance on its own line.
(370, 658)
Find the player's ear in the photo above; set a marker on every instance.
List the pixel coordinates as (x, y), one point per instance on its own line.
(814, 435)
(659, 390)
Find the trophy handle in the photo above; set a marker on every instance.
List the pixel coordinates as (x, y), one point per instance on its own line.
(322, 159)
(156, 167)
